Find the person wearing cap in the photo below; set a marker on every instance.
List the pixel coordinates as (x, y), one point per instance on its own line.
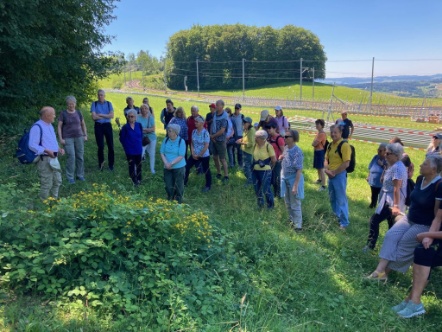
(200, 156)
(237, 122)
(130, 106)
(435, 146)
(283, 123)
(172, 151)
(278, 143)
(218, 136)
(43, 142)
(247, 142)
(347, 126)
(263, 160)
(266, 119)
(167, 113)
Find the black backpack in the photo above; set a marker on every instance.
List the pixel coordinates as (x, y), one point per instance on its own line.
(352, 165)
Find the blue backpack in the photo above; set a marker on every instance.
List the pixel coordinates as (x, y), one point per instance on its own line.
(23, 153)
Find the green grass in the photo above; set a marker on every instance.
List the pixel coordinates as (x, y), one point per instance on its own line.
(309, 281)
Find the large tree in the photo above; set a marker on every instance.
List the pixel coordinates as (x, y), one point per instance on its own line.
(51, 48)
(271, 56)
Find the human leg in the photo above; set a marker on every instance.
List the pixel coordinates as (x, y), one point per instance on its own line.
(230, 155)
(257, 184)
(132, 167)
(247, 157)
(276, 179)
(151, 147)
(69, 148)
(138, 168)
(189, 164)
(99, 138)
(168, 182)
(375, 221)
(178, 179)
(239, 154)
(205, 165)
(341, 201)
(79, 157)
(56, 183)
(266, 188)
(108, 134)
(374, 196)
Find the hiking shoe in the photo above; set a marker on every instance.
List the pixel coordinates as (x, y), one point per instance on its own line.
(205, 189)
(71, 181)
(219, 176)
(111, 168)
(399, 307)
(80, 178)
(226, 179)
(366, 249)
(412, 310)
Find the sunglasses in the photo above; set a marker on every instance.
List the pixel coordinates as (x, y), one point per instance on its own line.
(288, 136)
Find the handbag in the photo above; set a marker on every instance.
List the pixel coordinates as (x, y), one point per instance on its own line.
(146, 140)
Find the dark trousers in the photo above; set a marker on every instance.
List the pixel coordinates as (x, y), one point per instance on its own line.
(104, 130)
(261, 182)
(374, 196)
(276, 179)
(204, 164)
(134, 167)
(375, 221)
(174, 181)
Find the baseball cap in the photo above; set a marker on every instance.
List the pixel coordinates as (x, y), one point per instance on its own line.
(278, 108)
(247, 119)
(238, 106)
(264, 115)
(438, 135)
(212, 105)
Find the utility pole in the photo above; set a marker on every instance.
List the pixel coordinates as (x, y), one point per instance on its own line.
(197, 78)
(371, 86)
(243, 78)
(300, 79)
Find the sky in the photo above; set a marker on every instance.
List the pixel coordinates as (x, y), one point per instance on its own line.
(404, 36)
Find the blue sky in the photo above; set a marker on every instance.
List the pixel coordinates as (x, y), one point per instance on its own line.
(402, 35)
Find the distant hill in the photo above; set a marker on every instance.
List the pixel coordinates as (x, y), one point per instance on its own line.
(403, 85)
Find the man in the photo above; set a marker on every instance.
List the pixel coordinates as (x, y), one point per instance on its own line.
(209, 116)
(47, 165)
(102, 113)
(218, 138)
(266, 119)
(335, 165)
(347, 126)
(130, 106)
(167, 113)
(237, 122)
(191, 126)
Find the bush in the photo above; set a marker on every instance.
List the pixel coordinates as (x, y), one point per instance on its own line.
(152, 260)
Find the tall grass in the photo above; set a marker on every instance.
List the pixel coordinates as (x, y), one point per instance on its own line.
(309, 281)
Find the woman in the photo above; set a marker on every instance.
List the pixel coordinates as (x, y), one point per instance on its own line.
(376, 168)
(173, 150)
(400, 241)
(263, 160)
(131, 137)
(247, 142)
(319, 152)
(278, 143)
(199, 148)
(435, 146)
(426, 256)
(292, 178)
(393, 193)
(410, 167)
(146, 101)
(179, 118)
(281, 120)
(147, 121)
(230, 139)
(72, 134)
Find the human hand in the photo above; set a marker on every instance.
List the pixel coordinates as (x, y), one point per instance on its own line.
(426, 242)
(85, 137)
(329, 173)
(62, 142)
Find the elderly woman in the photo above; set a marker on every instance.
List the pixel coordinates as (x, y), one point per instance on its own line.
(278, 143)
(147, 121)
(318, 144)
(400, 241)
(292, 178)
(435, 146)
(337, 159)
(199, 148)
(131, 137)
(173, 150)
(263, 160)
(247, 143)
(72, 134)
(146, 101)
(393, 193)
(179, 118)
(376, 168)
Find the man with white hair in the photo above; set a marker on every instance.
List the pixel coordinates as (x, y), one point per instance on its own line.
(43, 142)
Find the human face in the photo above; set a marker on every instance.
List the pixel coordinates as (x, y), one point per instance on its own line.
(131, 118)
(101, 96)
(426, 169)
(199, 125)
(144, 110)
(344, 116)
(194, 112)
(335, 134)
(219, 107)
(169, 106)
(246, 125)
(237, 111)
(71, 106)
(382, 152)
(435, 141)
(271, 131)
(391, 157)
(146, 101)
(49, 115)
(318, 126)
(260, 140)
(179, 114)
(171, 133)
(130, 102)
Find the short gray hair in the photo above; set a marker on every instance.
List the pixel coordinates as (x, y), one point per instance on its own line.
(175, 127)
(132, 111)
(194, 107)
(332, 127)
(382, 146)
(435, 162)
(220, 101)
(70, 99)
(262, 134)
(396, 149)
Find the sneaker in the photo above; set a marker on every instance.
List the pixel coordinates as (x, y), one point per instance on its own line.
(71, 181)
(205, 189)
(322, 188)
(399, 307)
(219, 176)
(366, 249)
(412, 310)
(226, 179)
(80, 178)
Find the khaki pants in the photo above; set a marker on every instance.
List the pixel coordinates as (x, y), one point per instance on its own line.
(50, 180)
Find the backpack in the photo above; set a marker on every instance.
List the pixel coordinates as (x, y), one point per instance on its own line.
(179, 141)
(352, 165)
(23, 153)
(327, 143)
(288, 123)
(276, 141)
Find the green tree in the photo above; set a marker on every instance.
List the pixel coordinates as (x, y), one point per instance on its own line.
(50, 49)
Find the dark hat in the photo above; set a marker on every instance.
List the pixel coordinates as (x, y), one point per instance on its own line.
(438, 135)
(238, 106)
(247, 119)
(169, 101)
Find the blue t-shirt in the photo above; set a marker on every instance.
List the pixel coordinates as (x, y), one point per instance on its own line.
(199, 140)
(171, 149)
(102, 108)
(148, 123)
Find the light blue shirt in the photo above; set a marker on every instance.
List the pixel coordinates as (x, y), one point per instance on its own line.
(102, 108)
(172, 149)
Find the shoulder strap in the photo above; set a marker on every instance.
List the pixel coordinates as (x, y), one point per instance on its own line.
(338, 150)
(41, 131)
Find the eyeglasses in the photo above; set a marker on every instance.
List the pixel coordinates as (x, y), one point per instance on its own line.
(389, 153)
(288, 136)
(435, 137)
(131, 116)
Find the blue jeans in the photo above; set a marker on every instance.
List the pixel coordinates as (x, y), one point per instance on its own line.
(261, 182)
(248, 160)
(231, 155)
(337, 190)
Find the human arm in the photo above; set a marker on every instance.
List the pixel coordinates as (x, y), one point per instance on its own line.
(397, 184)
(60, 132)
(352, 129)
(434, 228)
(296, 183)
(163, 117)
(219, 132)
(84, 129)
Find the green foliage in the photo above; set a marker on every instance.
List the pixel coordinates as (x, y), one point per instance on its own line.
(50, 53)
(271, 54)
